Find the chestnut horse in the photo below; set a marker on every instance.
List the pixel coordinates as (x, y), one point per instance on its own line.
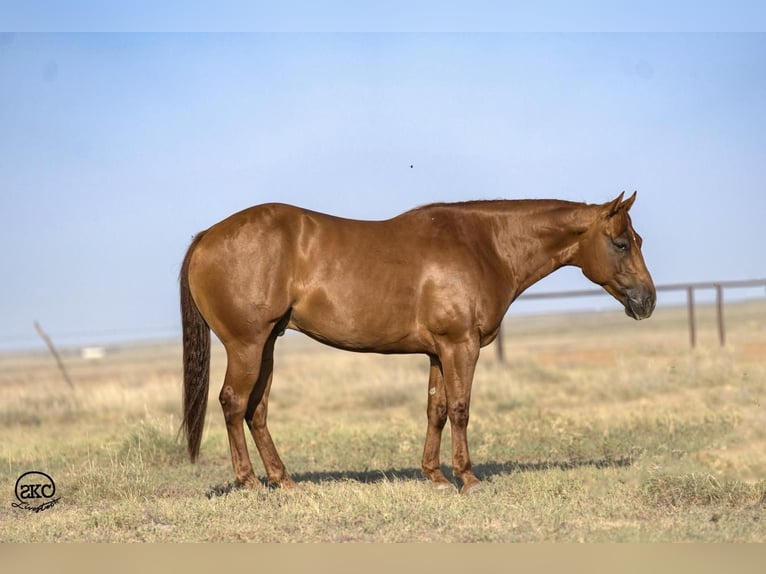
(435, 280)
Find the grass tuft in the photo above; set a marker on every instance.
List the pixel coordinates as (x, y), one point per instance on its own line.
(694, 489)
(153, 445)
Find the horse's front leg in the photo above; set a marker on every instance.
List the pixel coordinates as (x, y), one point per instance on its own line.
(437, 418)
(458, 362)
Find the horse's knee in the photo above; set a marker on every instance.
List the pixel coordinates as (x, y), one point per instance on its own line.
(437, 414)
(458, 413)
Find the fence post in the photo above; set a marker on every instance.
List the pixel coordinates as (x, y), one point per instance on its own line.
(692, 323)
(719, 310)
(54, 352)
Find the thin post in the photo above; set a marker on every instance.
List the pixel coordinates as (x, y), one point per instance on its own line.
(55, 354)
(719, 311)
(692, 323)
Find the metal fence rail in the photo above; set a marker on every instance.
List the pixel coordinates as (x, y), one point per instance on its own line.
(689, 288)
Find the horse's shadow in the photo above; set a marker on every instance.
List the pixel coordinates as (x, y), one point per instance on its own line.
(484, 471)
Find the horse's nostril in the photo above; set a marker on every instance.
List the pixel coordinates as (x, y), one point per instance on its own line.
(640, 304)
(647, 305)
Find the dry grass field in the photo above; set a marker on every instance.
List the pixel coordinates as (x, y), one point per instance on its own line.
(596, 428)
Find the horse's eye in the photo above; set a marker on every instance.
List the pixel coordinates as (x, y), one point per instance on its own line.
(621, 244)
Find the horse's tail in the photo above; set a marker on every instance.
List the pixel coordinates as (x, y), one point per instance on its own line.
(196, 360)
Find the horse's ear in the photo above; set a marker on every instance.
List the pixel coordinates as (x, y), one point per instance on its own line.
(626, 205)
(611, 208)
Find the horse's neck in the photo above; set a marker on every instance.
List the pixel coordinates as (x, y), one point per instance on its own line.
(541, 237)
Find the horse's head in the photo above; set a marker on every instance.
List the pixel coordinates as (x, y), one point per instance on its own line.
(610, 255)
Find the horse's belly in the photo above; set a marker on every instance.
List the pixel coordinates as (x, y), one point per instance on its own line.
(359, 323)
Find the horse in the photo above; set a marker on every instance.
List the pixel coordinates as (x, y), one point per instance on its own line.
(436, 280)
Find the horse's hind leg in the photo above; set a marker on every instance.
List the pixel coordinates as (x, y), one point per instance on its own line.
(255, 417)
(242, 370)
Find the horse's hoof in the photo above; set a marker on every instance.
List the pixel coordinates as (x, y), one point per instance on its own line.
(250, 482)
(285, 483)
(471, 488)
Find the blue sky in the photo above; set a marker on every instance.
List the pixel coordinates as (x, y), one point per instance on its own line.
(116, 148)
(388, 16)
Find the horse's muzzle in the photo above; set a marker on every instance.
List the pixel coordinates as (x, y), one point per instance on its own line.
(639, 304)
